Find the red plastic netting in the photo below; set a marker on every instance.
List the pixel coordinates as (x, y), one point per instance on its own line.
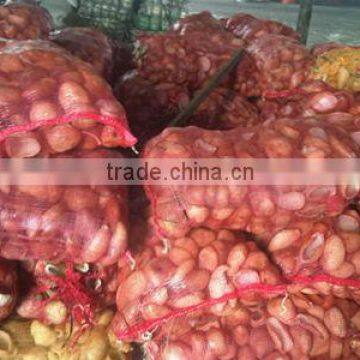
(255, 209)
(214, 273)
(22, 21)
(249, 28)
(79, 291)
(224, 109)
(90, 45)
(195, 23)
(319, 49)
(64, 223)
(150, 108)
(313, 247)
(203, 272)
(311, 98)
(292, 327)
(187, 59)
(274, 63)
(51, 102)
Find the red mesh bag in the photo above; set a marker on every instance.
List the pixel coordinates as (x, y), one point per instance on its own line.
(111, 58)
(275, 63)
(99, 279)
(224, 109)
(24, 21)
(179, 208)
(249, 28)
(51, 102)
(294, 327)
(8, 287)
(56, 292)
(200, 22)
(311, 98)
(204, 272)
(64, 223)
(149, 107)
(319, 49)
(90, 45)
(327, 251)
(188, 59)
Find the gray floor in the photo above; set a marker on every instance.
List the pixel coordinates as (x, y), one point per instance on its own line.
(328, 23)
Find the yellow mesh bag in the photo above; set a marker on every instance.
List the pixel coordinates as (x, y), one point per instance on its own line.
(339, 67)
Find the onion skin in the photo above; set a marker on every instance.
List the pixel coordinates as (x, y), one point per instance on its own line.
(65, 223)
(179, 53)
(311, 99)
(151, 107)
(94, 281)
(268, 68)
(249, 28)
(231, 336)
(25, 22)
(319, 247)
(90, 45)
(46, 89)
(260, 209)
(204, 273)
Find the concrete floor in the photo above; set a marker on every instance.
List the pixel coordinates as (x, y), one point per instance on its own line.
(329, 23)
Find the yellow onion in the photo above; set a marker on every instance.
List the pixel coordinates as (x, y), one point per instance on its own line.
(22, 339)
(339, 67)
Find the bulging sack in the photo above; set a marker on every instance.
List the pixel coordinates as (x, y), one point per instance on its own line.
(151, 107)
(311, 98)
(249, 28)
(327, 251)
(294, 327)
(255, 209)
(24, 21)
(274, 63)
(195, 23)
(206, 272)
(90, 45)
(188, 59)
(64, 223)
(224, 109)
(51, 102)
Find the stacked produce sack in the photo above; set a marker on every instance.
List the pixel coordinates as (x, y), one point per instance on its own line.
(243, 272)
(23, 20)
(111, 58)
(175, 65)
(59, 245)
(278, 73)
(215, 272)
(58, 106)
